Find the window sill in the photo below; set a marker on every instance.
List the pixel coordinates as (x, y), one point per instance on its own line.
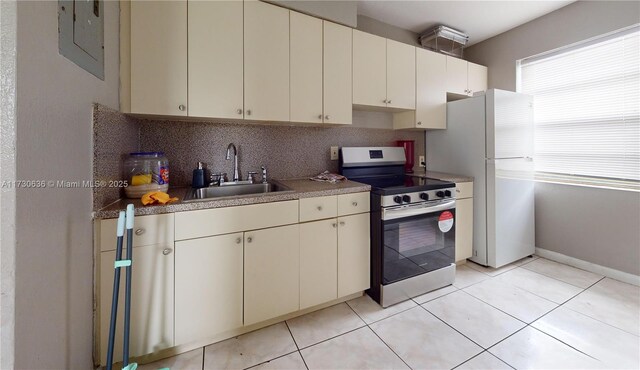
(591, 182)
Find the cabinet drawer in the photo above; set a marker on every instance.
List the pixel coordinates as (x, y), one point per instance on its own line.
(148, 230)
(208, 222)
(349, 204)
(464, 190)
(318, 208)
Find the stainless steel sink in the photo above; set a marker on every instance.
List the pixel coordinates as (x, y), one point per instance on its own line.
(232, 191)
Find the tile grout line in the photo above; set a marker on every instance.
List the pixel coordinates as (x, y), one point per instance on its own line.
(296, 343)
(275, 358)
(376, 334)
(485, 351)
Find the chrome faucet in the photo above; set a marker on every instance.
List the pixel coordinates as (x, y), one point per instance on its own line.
(236, 175)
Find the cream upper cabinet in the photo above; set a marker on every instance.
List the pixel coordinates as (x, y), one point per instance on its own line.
(158, 57)
(465, 78)
(456, 75)
(306, 68)
(318, 262)
(152, 303)
(271, 273)
(337, 77)
(476, 77)
(353, 254)
(369, 69)
(215, 59)
(401, 75)
(208, 286)
(431, 94)
(266, 62)
(464, 220)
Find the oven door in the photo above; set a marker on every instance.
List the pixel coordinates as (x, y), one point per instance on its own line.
(417, 239)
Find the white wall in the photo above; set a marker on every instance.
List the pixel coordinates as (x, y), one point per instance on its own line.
(54, 251)
(595, 225)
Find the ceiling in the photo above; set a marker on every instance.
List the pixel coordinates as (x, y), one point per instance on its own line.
(478, 19)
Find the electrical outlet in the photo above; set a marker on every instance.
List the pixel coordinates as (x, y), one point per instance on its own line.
(421, 161)
(334, 153)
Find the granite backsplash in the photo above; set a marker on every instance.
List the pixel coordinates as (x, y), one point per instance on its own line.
(286, 151)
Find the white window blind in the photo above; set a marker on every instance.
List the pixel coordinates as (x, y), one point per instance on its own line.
(587, 107)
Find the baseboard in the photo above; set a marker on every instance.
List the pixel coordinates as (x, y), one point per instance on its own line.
(588, 266)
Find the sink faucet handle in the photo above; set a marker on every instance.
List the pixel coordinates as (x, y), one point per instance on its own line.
(251, 176)
(264, 174)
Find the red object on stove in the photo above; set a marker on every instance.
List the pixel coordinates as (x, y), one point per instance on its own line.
(408, 153)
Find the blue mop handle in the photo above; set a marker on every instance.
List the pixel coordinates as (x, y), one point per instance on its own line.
(116, 290)
(127, 297)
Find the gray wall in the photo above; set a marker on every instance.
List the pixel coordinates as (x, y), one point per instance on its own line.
(339, 11)
(370, 25)
(595, 225)
(54, 251)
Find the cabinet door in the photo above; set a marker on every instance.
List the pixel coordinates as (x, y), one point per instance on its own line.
(456, 76)
(431, 102)
(476, 78)
(159, 57)
(401, 75)
(353, 254)
(215, 59)
(369, 69)
(266, 61)
(464, 228)
(318, 262)
(306, 68)
(271, 273)
(208, 286)
(337, 76)
(151, 302)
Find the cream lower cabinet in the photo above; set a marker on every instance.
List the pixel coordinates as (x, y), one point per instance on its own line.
(353, 254)
(271, 273)
(151, 303)
(318, 262)
(208, 286)
(464, 221)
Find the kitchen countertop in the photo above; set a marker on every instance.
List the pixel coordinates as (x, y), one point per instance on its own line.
(443, 176)
(300, 188)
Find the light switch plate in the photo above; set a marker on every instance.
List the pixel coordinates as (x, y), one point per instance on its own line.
(334, 153)
(421, 161)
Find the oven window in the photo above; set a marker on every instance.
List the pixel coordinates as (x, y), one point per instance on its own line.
(415, 245)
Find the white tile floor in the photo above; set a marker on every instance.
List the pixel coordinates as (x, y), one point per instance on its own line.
(533, 314)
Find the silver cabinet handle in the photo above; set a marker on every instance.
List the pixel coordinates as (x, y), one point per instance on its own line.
(341, 223)
(355, 204)
(334, 225)
(320, 116)
(167, 251)
(419, 123)
(248, 112)
(249, 239)
(327, 117)
(238, 240)
(182, 107)
(239, 111)
(319, 208)
(457, 190)
(385, 101)
(389, 102)
(139, 231)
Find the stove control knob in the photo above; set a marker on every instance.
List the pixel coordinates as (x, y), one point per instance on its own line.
(440, 194)
(447, 193)
(424, 196)
(406, 198)
(397, 199)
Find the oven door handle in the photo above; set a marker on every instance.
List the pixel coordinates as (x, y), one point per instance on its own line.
(395, 213)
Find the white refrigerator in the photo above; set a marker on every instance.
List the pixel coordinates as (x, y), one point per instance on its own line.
(490, 137)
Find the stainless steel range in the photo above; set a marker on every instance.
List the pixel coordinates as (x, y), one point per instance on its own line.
(412, 224)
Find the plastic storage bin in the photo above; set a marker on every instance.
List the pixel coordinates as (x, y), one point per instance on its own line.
(145, 172)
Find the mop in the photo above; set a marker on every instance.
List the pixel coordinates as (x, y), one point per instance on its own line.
(119, 263)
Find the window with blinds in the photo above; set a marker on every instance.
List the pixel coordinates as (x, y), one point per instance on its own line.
(587, 107)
